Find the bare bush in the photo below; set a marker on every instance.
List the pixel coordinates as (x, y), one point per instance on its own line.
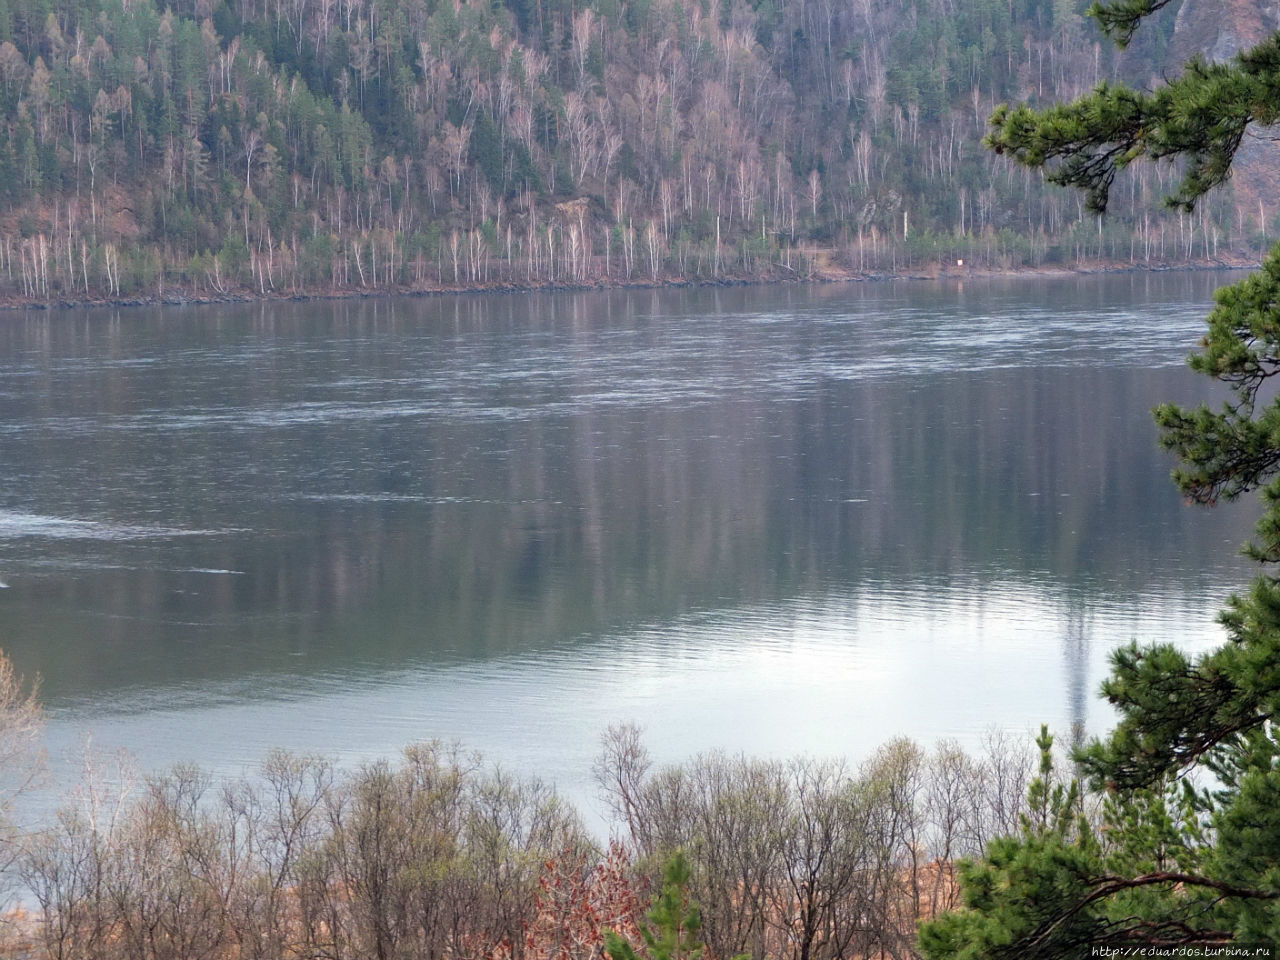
(21, 767)
(810, 860)
(433, 857)
(21, 759)
(430, 857)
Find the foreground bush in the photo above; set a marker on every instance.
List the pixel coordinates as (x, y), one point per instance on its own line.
(429, 857)
(810, 860)
(434, 857)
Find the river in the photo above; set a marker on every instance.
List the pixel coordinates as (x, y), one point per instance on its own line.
(781, 520)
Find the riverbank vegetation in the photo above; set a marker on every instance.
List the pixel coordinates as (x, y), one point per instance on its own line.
(434, 855)
(233, 147)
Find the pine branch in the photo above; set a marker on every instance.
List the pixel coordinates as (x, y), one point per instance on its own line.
(1200, 117)
(1109, 885)
(1119, 19)
(1114, 884)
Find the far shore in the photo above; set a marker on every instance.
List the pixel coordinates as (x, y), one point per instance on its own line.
(829, 275)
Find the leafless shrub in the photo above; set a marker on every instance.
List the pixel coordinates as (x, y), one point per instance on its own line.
(430, 857)
(810, 860)
(433, 857)
(21, 767)
(21, 759)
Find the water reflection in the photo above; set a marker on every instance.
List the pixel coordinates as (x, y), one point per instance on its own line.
(788, 519)
(835, 675)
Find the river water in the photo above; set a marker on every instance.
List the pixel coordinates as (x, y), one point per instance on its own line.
(799, 519)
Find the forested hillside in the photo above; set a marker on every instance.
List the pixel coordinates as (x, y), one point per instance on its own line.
(260, 146)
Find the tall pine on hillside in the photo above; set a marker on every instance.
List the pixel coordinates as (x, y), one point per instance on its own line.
(1175, 863)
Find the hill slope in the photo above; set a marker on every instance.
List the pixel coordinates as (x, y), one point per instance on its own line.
(218, 146)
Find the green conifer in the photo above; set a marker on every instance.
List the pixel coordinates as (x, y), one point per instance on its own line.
(674, 921)
(1173, 865)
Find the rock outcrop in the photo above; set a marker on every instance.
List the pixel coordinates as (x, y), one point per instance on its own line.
(1218, 30)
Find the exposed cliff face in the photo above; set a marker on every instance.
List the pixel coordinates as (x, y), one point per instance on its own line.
(1218, 30)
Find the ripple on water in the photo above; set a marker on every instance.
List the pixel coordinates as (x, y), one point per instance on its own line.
(16, 524)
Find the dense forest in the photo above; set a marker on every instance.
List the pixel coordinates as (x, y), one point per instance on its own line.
(218, 147)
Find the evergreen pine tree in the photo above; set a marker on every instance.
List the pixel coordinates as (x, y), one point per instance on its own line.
(1173, 865)
(674, 921)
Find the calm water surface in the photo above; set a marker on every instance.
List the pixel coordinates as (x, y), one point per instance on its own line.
(783, 520)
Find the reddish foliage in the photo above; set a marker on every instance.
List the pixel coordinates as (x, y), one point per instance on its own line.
(578, 900)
